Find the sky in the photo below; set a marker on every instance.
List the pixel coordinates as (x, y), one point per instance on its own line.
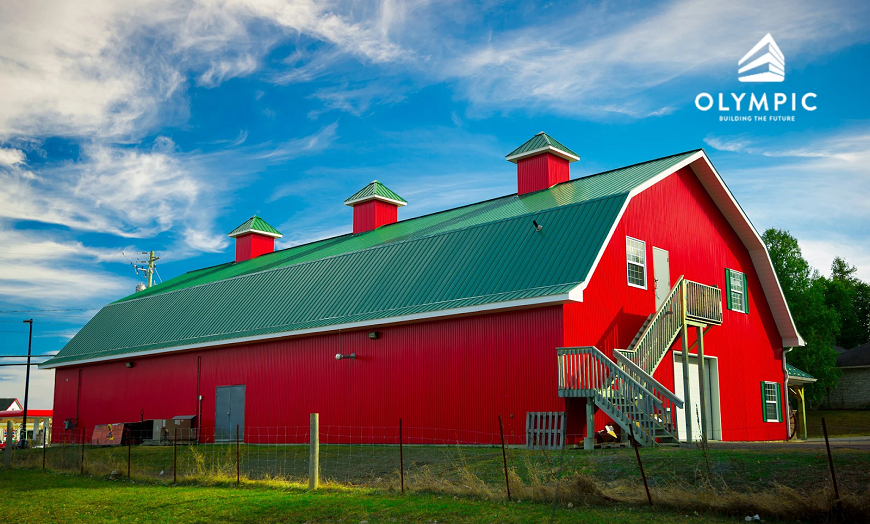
(162, 125)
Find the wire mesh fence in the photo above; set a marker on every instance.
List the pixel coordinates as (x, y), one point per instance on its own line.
(459, 462)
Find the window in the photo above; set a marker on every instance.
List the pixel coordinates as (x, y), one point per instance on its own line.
(736, 292)
(635, 256)
(770, 407)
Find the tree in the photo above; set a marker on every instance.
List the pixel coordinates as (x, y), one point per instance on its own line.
(850, 297)
(817, 322)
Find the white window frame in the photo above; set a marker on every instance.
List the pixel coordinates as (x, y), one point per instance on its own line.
(737, 306)
(771, 387)
(629, 263)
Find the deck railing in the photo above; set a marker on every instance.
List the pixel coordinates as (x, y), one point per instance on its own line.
(587, 372)
(670, 402)
(703, 303)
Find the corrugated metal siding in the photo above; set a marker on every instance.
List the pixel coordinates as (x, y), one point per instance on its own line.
(540, 172)
(494, 262)
(678, 215)
(453, 377)
(373, 214)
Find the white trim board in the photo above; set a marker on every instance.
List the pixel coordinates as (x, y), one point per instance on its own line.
(574, 295)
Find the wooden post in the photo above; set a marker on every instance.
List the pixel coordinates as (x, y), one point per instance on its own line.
(44, 429)
(504, 459)
(640, 464)
(401, 459)
(129, 449)
(684, 334)
(830, 462)
(7, 452)
(238, 458)
(83, 452)
(702, 381)
(175, 457)
(589, 441)
(802, 414)
(314, 453)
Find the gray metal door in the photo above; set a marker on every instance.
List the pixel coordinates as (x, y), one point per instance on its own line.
(229, 412)
(662, 272)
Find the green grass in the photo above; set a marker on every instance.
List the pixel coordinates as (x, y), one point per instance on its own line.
(51, 497)
(840, 423)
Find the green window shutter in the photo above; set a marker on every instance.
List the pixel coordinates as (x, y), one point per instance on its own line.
(746, 296)
(763, 404)
(778, 402)
(728, 288)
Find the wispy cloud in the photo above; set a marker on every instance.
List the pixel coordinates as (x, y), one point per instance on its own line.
(304, 146)
(816, 187)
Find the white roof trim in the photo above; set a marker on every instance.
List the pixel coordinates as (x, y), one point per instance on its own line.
(792, 379)
(257, 231)
(573, 295)
(548, 149)
(360, 200)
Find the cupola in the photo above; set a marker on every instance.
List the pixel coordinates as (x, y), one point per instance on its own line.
(542, 162)
(254, 238)
(374, 206)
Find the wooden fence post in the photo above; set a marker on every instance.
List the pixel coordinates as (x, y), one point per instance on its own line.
(830, 461)
(7, 452)
(238, 458)
(83, 452)
(401, 458)
(129, 450)
(314, 453)
(175, 457)
(44, 430)
(640, 464)
(507, 482)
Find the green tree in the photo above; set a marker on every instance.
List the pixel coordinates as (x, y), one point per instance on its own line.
(850, 297)
(818, 322)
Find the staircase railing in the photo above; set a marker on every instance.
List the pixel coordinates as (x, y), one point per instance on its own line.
(587, 372)
(661, 331)
(670, 402)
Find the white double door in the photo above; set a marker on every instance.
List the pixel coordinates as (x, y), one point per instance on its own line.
(711, 372)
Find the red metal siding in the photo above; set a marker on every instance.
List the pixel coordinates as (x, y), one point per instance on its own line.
(540, 172)
(253, 245)
(677, 215)
(452, 376)
(373, 214)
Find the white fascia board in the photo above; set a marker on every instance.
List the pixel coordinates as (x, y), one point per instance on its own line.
(800, 380)
(761, 261)
(256, 231)
(360, 200)
(548, 149)
(572, 296)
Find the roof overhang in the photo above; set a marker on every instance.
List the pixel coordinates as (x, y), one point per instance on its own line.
(255, 232)
(573, 295)
(360, 200)
(799, 381)
(548, 149)
(727, 204)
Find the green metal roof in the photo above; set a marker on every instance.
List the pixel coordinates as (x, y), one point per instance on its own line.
(478, 254)
(375, 191)
(255, 224)
(541, 141)
(795, 372)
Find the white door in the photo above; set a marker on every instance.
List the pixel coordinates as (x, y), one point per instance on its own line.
(662, 272)
(714, 431)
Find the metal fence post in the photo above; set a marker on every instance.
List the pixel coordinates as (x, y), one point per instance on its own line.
(82, 472)
(129, 450)
(314, 453)
(830, 461)
(634, 444)
(504, 458)
(238, 458)
(44, 430)
(401, 458)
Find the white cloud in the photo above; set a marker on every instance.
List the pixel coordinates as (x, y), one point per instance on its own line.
(304, 146)
(816, 188)
(11, 157)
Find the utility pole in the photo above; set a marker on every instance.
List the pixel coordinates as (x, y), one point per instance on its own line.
(23, 442)
(147, 266)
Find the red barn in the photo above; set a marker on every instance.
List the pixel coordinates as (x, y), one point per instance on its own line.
(641, 296)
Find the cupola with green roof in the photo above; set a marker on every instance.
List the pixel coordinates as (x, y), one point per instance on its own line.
(254, 237)
(542, 162)
(374, 206)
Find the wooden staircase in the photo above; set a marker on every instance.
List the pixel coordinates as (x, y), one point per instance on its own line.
(624, 387)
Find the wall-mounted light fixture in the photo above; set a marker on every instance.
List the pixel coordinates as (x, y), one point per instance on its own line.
(130, 364)
(374, 335)
(339, 356)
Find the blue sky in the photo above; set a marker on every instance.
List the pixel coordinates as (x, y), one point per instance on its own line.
(164, 125)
